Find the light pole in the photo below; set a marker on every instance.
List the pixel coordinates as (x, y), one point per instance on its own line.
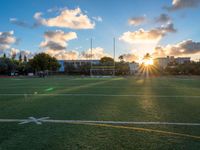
(114, 55)
(91, 57)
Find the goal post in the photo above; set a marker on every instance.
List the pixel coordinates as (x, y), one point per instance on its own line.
(102, 71)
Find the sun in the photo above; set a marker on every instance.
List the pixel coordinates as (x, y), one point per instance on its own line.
(148, 62)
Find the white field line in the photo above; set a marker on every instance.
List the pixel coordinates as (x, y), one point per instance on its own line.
(100, 87)
(122, 122)
(102, 95)
(46, 120)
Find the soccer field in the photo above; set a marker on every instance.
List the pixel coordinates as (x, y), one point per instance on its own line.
(100, 113)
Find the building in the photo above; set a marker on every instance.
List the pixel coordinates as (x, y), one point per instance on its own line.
(75, 63)
(62, 65)
(163, 62)
(182, 60)
(134, 67)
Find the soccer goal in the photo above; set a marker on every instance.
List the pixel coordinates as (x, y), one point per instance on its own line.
(102, 71)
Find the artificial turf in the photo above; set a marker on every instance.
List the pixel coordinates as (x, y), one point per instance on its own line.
(112, 99)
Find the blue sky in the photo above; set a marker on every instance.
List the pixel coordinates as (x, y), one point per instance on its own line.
(115, 15)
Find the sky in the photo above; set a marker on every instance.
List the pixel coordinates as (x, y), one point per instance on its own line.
(63, 28)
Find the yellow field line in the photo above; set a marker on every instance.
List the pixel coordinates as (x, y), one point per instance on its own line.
(143, 130)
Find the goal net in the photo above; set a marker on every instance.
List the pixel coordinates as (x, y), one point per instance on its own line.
(102, 71)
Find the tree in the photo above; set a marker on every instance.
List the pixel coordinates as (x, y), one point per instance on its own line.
(122, 68)
(25, 58)
(8, 65)
(4, 55)
(13, 56)
(3, 66)
(107, 61)
(192, 68)
(20, 57)
(43, 61)
(121, 58)
(147, 56)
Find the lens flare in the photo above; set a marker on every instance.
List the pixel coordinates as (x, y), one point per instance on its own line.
(148, 62)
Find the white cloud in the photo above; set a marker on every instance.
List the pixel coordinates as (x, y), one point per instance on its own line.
(136, 21)
(7, 39)
(181, 4)
(73, 19)
(150, 36)
(97, 53)
(63, 54)
(57, 40)
(14, 51)
(144, 41)
(187, 47)
(142, 36)
(129, 57)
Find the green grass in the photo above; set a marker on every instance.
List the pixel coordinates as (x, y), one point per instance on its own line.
(116, 108)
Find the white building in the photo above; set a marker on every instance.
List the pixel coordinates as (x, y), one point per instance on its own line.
(182, 60)
(134, 67)
(162, 62)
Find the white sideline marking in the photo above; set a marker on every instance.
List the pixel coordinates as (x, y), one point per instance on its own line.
(104, 95)
(100, 87)
(39, 121)
(122, 122)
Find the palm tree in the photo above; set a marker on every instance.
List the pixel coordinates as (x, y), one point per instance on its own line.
(147, 56)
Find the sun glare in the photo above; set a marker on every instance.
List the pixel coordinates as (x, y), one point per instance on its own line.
(148, 62)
